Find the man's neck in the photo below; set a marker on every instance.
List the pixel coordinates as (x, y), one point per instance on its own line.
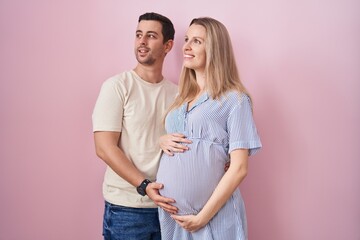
(149, 74)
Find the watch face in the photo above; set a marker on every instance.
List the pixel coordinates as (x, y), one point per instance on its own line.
(142, 188)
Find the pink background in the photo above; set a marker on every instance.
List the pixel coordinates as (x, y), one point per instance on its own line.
(299, 59)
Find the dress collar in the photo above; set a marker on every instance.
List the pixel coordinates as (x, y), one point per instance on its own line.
(203, 98)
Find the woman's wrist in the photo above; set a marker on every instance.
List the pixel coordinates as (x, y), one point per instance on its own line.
(202, 218)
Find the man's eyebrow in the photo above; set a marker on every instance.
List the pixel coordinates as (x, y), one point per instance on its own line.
(152, 32)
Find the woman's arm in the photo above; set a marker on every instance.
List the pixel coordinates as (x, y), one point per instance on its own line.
(229, 182)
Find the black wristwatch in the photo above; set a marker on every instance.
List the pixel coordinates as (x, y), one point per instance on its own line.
(141, 189)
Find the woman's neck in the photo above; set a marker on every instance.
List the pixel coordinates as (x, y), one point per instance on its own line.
(200, 79)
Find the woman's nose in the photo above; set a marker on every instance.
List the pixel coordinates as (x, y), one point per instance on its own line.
(187, 46)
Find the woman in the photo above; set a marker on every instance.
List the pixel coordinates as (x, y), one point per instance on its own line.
(214, 111)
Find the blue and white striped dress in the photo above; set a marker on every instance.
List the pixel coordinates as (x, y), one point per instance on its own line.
(215, 127)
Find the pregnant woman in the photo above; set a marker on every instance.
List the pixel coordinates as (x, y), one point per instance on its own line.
(214, 111)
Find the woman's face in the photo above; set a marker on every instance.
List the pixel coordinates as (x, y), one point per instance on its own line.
(194, 48)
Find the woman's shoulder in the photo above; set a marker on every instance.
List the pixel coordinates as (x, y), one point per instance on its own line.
(236, 97)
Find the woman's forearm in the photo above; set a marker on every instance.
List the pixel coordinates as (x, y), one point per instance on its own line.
(227, 185)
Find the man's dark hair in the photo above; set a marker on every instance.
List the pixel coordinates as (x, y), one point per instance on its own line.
(168, 30)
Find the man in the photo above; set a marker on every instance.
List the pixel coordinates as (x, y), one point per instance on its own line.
(127, 124)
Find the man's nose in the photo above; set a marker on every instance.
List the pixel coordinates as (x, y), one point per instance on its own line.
(143, 40)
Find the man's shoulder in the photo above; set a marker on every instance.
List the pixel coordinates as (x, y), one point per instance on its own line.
(167, 81)
(171, 85)
(119, 79)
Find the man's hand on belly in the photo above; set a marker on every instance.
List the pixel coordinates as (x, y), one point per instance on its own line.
(152, 191)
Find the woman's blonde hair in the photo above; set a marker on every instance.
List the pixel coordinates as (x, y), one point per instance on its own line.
(221, 72)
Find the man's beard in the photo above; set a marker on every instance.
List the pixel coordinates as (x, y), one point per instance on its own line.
(147, 61)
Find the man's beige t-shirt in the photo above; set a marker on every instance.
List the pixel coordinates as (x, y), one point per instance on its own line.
(136, 108)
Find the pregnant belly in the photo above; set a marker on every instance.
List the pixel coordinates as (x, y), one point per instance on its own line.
(192, 176)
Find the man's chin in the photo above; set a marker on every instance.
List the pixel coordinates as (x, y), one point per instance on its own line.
(147, 62)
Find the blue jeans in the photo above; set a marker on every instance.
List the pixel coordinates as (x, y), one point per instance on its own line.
(125, 223)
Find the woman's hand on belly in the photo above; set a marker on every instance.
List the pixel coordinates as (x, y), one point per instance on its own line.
(152, 190)
(171, 143)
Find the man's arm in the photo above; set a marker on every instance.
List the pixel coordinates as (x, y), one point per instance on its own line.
(106, 146)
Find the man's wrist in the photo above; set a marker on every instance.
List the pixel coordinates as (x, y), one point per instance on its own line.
(141, 189)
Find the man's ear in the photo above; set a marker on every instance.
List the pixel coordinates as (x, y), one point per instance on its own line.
(168, 45)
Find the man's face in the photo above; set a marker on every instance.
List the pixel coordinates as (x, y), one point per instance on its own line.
(149, 46)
